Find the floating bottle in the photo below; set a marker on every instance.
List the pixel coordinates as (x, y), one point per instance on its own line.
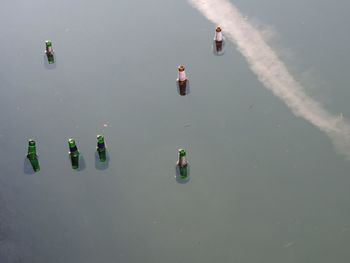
(33, 158)
(74, 153)
(101, 148)
(182, 80)
(49, 51)
(218, 39)
(182, 163)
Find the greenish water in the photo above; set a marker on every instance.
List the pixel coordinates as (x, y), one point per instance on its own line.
(264, 185)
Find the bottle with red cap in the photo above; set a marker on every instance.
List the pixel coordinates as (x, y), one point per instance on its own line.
(218, 39)
(182, 80)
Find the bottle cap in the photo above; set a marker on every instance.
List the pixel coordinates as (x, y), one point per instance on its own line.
(182, 152)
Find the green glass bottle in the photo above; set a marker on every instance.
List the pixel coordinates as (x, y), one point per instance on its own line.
(183, 172)
(49, 51)
(74, 153)
(33, 158)
(182, 163)
(101, 148)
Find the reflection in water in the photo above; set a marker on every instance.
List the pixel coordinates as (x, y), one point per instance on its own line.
(82, 164)
(101, 165)
(272, 72)
(27, 167)
(182, 175)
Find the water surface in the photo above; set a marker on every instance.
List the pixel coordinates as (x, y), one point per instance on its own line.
(265, 186)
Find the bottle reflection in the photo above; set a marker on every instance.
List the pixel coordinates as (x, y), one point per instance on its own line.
(101, 165)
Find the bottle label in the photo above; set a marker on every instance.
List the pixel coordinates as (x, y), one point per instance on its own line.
(182, 75)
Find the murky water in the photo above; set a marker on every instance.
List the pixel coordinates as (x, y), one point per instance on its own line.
(264, 185)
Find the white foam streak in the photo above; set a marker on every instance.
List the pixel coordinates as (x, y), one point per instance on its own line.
(272, 72)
